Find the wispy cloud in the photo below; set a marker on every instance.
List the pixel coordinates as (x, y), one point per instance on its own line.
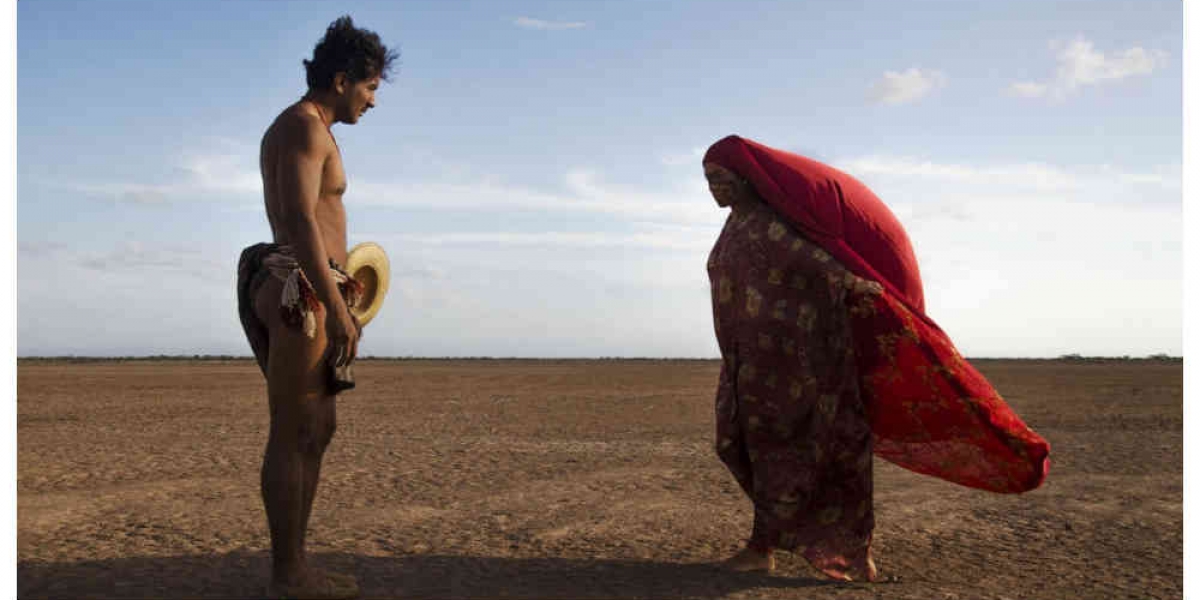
(130, 260)
(691, 157)
(133, 193)
(1028, 89)
(227, 175)
(905, 86)
(40, 248)
(230, 173)
(136, 258)
(1037, 176)
(582, 192)
(531, 23)
(986, 234)
(690, 240)
(1080, 64)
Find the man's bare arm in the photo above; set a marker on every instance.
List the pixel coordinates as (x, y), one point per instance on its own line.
(300, 168)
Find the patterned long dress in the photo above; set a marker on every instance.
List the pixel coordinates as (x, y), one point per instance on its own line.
(792, 425)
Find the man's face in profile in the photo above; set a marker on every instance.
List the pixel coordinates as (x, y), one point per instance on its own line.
(357, 98)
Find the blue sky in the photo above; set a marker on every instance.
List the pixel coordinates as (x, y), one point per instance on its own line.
(533, 169)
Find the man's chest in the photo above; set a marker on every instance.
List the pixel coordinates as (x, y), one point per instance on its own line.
(333, 176)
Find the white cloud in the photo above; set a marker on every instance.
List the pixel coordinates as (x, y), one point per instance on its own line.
(690, 158)
(583, 193)
(1016, 176)
(1018, 258)
(231, 176)
(1080, 64)
(131, 297)
(39, 248)
(134, 193)
(1008, 251)
(1053, 272)
(531, 23)
(906, 86)
(1026, 259)
(131, 258)
(691, 239)
(228, 174)
(1028, 89)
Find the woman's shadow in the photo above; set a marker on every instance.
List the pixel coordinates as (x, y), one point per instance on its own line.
(243, 575)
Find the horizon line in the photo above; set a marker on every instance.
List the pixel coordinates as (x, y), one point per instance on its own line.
(215, 357)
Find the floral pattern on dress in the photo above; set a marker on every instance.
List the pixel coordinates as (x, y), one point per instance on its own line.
(821, 370)
(791, 424)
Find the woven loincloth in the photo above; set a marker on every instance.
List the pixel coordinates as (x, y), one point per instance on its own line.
(298, 302)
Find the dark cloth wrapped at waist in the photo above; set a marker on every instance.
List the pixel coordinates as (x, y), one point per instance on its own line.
(298, 301)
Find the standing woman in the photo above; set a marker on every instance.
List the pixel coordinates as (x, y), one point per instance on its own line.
(828, 357)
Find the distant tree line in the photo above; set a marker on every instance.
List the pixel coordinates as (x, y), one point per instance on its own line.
(1081, 358)
(145, 358)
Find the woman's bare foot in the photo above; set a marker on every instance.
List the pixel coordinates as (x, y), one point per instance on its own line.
(316, 584)
(750, 560)
(872, 574)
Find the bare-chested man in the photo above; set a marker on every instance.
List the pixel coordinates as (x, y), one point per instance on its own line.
(294, 298)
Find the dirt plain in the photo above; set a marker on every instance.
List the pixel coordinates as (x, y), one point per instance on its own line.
(562, 479)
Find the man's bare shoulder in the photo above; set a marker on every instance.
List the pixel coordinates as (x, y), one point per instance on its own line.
(298, 129)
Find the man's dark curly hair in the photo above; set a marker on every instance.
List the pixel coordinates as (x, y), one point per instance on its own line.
(358, 53)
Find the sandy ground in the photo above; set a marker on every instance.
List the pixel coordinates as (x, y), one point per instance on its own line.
(550, 479)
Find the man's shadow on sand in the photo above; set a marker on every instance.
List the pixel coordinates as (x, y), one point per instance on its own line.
(243, 575)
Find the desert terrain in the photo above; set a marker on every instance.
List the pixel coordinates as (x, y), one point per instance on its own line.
(554, 479)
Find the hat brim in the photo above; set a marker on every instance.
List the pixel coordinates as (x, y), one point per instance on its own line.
(368, 264)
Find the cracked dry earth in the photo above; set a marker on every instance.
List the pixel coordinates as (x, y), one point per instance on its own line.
(552, 479)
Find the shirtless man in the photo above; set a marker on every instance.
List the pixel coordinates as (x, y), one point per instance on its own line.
(294, 299)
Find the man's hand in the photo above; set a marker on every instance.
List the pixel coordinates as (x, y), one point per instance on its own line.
(342, 332)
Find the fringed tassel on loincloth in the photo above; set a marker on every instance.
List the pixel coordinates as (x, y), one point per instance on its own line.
(298, 303)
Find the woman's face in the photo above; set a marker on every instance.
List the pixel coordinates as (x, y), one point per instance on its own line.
(727, 188)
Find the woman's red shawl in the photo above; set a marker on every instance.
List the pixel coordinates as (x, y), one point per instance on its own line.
(931, 411)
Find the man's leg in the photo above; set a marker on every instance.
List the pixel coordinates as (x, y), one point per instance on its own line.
(321, 416)
(302, 425)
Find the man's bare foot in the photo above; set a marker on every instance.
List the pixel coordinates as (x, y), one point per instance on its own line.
(316, 584)
(749, 560)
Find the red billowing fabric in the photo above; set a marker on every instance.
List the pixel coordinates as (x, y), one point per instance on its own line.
(832, 209)
(931, 411)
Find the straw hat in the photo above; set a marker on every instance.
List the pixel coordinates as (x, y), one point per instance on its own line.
(368, 264)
